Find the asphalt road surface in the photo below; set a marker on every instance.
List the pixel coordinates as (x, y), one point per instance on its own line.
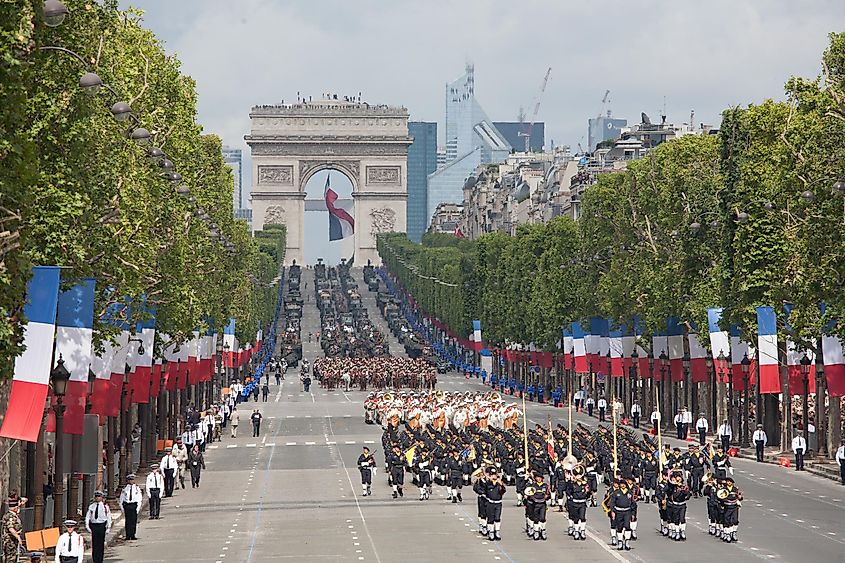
(293, 493)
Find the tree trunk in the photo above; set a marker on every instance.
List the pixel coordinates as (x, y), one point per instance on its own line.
(6, 478)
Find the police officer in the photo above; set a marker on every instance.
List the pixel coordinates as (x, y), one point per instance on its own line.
(71, 546)
(760, 440)
(169, 465)
(130, 500)
(155, 485)
(98, 524)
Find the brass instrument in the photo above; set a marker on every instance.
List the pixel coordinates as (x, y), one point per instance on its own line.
(495, 396)
(570, 462)
(387, 397)
(529, 491)
(579, 471)
(605, 504)
(476, 475)
(722, 493)
(438, 394)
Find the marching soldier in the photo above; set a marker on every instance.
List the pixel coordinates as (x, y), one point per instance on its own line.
(396, 466)
(676, 510)
(480, 489)
(71, 546)
(621, 510)
(696, 462)
(456, 477)
(536, 495)
(494, 493)
(721, 463)
(578, 492)
(130, 499)
(98, 524)
(366, 465)
(730, 499)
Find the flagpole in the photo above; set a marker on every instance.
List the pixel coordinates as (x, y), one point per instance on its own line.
(659, 424)
(569, 446)
(525, 432)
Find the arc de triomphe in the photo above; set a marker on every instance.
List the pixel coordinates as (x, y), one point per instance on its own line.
(289, 143)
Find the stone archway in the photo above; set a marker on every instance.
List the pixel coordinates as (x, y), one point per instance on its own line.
(369, 144)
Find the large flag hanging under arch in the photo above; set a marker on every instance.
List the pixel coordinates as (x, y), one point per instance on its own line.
(341, 223)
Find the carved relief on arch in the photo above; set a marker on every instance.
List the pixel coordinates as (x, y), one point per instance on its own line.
(383, 220)
(308, 168)
(275, 215)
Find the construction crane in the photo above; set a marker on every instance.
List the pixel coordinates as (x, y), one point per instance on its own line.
(526, 130)
(604, 102)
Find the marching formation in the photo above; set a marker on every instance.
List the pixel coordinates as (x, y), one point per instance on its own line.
(374, 373)
(474, 440)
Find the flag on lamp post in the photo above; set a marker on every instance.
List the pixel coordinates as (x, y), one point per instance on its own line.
(739, 349)
(698, 359)
(793, 361)
(101, 363)
(616, 345)
(834, 362)
(567, 347)
(579, 350)
(74, 332)
(675, 343)
(767, 346)
(31, 380)
(720, 344)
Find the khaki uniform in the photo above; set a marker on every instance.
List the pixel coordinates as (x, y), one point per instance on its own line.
(11, 521)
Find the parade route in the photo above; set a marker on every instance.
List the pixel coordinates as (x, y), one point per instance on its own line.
(293, 493)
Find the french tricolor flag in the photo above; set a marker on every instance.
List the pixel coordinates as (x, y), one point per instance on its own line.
(31, 381)
(579, 350)
(229, 344)
(739, 349)
(834, 365)
(476, 336)
(767, 348)
(74, 332)
(719, 343)
(567, 347)
(341, 223)
(615, 341)
(697, 359)
(660, 346)
(155, 390)
(120, 359)
(675, 342)
(143, 363)
(101, 364)
(793, 361)
(597, 345)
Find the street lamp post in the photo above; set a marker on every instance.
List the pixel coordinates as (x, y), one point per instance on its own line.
(691, 399)
(746, 364)
(609, 382)
(650, 394)
(124, 429)
(805, 363)
(664, 359)
(635, 387)
(711, 374)
(59, 376)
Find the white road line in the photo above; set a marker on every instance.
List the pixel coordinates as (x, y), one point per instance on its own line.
(369, 441)
(279, 393)
(357, 504)
(310, 443)
(289, 416)
(270, 445)
(290, 444)
(349, 442)
(231, 446)
(264, 439)
(251, 445)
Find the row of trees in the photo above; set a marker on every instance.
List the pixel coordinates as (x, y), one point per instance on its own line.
(76, 191)
(752, 216)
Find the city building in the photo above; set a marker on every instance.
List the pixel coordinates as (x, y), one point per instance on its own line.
(515, 132)
(604, 128)
(234, 158)
(244, 215)
(471, 140)
(446, 218)
(422, 161)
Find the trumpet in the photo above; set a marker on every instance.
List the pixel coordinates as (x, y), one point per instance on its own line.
(438, 394)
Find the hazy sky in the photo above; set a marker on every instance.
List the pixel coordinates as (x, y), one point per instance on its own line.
(701, 55)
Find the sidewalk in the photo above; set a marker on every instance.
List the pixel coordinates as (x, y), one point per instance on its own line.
(826, 469)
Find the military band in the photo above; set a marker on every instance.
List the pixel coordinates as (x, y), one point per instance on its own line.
(473, 439)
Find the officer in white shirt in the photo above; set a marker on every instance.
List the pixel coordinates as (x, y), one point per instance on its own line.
(655, 420)
(725, 434)
(155, 486)
(602, 408)
(679, 425)
(702, 427)
(687, 421)
(760, 441)
(636, 413)
(799, 448)
(840, 459)
(130, 500)
(98, 524)
(590, 404)
(169, 465)
(71, 546)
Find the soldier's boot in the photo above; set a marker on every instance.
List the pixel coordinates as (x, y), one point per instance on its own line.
(460, 498)
(491, 535)
(733, 537)
(627, 545)
(613, 539)
(395, 492)
(543, 534)
(401, 494)
(633, 530)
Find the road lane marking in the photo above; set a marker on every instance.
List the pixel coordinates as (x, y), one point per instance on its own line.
(232, 446)
(290, 444)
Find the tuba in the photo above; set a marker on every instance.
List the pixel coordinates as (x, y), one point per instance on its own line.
(570, 463)
(387, 397)
(438, 394)
(529, 491)
(722, 493)
(495, 396)
(579, 471)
